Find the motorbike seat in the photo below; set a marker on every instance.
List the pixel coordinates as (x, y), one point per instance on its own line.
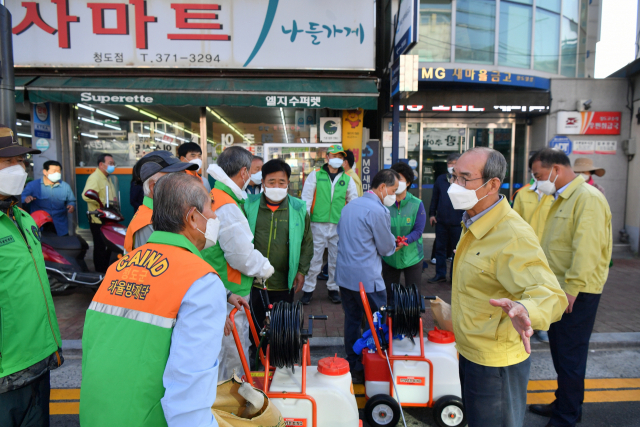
(69, 243)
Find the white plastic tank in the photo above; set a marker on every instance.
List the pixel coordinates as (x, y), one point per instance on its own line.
(329, 384)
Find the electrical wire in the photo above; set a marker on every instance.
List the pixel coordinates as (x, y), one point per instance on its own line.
(407, 306)
(285, 334)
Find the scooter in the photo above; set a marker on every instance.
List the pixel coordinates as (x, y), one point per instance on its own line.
(113, 233)
(64, 257)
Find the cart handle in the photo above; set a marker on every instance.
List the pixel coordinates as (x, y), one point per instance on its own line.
(367, 312)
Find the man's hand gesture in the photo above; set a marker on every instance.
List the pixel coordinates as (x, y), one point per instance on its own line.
(238, 302)
(519, 319)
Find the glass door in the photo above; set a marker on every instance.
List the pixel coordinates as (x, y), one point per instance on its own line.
(500, 137)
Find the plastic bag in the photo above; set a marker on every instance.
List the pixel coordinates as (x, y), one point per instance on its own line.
(442, 314)
(229, 402)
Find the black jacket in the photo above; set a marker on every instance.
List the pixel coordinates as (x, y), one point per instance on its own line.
(441, 206)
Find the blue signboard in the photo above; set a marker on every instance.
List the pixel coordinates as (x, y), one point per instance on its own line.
(562, 143)
(370, 163)
(427, 73)
(42, 120)
(407, 28)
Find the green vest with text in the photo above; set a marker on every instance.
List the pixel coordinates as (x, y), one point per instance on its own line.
(297, 215)
(233, 279)
(325, 208)
(402, 221)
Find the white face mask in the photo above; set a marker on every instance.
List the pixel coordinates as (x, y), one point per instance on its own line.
(336, 162)
(211, 231)
(275, 194)
(256, 178)
(463, 199)
(389, 199)
(197, 162)
(54, 177)
(586, 176)
(450, 169)
(246, 183)
(12, 180)
(547, 187)
(402, 186)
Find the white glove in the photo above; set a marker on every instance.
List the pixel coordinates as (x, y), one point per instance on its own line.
(255, 400)
(268, 272)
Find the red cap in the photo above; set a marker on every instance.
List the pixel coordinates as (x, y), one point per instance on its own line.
(333, 366)
(439, 336)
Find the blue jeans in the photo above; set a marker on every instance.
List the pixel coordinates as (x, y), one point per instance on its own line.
(569, 344)
(353, 313)
(494, 397)
(445, 235)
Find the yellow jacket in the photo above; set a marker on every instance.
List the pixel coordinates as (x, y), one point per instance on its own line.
(356, 179)
(499, 257)
(532, 209)
(577, 238)
(98, 181)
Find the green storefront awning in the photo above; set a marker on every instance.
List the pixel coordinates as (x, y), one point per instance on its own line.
(264, 92)
(20, 83)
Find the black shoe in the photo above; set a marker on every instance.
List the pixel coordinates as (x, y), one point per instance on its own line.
(544, 410)
(306, 298)
(357, 377)
(437, 279)
(323, 276)
(334, 296)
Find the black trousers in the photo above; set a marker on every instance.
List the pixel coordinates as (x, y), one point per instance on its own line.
(569, 343)
(494, 397)
(259, 304)
(27, 406)
(446, 236)
(101, 254)
(391, 275)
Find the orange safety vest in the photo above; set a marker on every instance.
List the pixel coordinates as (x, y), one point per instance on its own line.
(141, 219)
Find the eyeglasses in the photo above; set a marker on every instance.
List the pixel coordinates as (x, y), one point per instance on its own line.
(461, 181)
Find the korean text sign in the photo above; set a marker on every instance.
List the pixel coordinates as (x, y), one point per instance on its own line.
(428, 73)
(271, 34)
(589, 122)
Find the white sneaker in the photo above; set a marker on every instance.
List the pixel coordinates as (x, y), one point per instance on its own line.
(433, 261)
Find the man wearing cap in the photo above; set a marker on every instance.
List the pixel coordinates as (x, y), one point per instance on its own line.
(326, 191)
(149, 170)
(585, 166)
(29, 335)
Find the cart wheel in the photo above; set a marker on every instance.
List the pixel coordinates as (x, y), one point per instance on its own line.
(382, 410)
(448, 411)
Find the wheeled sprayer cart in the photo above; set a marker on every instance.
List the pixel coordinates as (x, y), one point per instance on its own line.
(305, 395)
(410, 372)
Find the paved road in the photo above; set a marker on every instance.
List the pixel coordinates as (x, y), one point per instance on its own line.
(612, 398)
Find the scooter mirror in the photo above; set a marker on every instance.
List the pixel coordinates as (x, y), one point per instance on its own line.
(93, 195)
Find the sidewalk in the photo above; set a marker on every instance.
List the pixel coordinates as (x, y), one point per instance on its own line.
(618, 311)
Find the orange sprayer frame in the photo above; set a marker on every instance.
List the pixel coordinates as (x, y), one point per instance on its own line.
(421, 358)
(306, 361)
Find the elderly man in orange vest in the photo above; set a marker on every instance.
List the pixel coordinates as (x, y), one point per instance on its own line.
(149, 170)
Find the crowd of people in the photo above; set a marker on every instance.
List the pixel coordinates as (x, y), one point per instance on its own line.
(157, 336)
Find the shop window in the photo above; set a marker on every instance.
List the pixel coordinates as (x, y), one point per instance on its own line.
(569, 48)
(547, 39)
(515, 34)
(434, 41)
(550, 5)
(475, 31)
(571, 10)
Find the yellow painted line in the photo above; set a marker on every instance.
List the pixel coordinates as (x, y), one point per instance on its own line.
(590, 396)
(361, 402)
(65, 394)
(64, 408)
(609, 383)
(358, 389)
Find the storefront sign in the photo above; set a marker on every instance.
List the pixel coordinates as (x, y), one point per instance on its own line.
(439, 74)
(42, 144)
(274, 34)
(584, 147)
(42, 120)
(352, 134)
(606, 147)
(562, 143)
(370, 163)
(330, 129)
(589, 122)
(442, 139)
(407, 28)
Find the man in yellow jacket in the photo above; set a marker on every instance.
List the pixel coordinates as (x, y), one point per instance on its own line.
(503, 288)
(577, 242)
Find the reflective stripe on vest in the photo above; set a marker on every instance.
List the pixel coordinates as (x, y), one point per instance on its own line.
(138, 316)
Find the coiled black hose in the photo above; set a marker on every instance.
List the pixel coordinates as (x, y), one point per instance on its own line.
(285, 334)
(406, 309)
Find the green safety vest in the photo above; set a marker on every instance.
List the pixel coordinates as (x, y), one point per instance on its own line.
(402, 221)
(297, 214)
(325, 208)
(29, 330)
(233, 280)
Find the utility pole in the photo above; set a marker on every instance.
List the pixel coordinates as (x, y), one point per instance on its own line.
(7, 82)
